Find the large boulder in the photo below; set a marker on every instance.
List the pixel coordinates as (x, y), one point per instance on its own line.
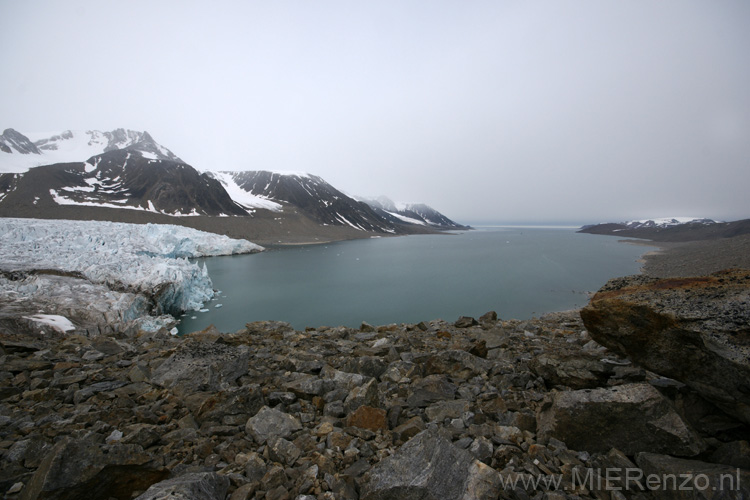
(430, 467)
(202, 367)
(631, 418)
(695, 330)
(269, 423)
(85, 468)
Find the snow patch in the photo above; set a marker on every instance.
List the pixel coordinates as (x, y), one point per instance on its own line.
(242, 197)
(59, 323)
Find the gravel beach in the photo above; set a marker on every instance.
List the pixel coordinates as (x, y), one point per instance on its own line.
(696, 258)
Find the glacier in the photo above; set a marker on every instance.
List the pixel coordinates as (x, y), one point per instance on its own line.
(48, 260)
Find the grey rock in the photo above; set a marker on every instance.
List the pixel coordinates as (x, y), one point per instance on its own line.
(632, 418)
(193, 486)
(202, 367)
(83, 468)
(430, 467)
(431, 389)
(465, 322)
(269, 422)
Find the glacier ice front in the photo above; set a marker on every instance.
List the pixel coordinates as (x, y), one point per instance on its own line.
(150, 259)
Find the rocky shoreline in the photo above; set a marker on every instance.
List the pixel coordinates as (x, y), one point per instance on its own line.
(483, 408)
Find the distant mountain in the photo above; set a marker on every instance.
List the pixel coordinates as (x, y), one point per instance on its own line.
(411, 213)
(12, 142)
(671, 229)
(309, 194)
(19, 152)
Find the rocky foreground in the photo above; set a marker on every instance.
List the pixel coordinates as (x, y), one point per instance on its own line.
(472, 409)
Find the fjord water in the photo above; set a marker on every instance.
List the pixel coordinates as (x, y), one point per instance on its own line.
(518, 272)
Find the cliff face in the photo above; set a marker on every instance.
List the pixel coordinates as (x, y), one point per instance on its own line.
(695, 330)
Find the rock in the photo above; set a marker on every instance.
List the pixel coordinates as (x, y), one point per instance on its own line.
(690, 329)
(678, 479)
(575, 370)
(456, 363)
(202, 367)
(194, 486)
(231, 407)
(367, 417)
(488, 317)
(82, 468)
(431, 389)
(282, 451)
(409, 429)
(447, 409)
(465, 322)
(736, 454)
(430, 467)
(632, 418)
(269, 422)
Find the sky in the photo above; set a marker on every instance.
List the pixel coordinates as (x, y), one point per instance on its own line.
(506, 111)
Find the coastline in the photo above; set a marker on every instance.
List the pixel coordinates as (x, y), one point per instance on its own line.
(694, 258)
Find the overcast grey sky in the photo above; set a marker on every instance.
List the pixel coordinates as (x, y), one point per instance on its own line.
(536, 111)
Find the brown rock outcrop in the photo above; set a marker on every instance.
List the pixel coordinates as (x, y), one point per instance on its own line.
(695, 330)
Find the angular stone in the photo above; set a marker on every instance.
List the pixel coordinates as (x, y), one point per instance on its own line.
(84, 468)
(447, 409)
(456, 363)
(193, 486)
(431, 389)
(694, 330)
(577, 370)
(233, 406)
(409, 429)
(631, 418)
(430, 467)
(202, 367)
(465, 322)
(269, 422)
(367, 417)
(282, 451)
(366, 394)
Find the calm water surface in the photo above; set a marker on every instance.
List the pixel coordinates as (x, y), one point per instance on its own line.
(518, 272)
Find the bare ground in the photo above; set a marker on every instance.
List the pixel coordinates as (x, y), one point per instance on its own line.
(696, 258)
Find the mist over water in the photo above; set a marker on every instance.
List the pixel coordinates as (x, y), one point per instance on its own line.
(518, 272)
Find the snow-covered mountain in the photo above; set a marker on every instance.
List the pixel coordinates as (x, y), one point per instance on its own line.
(671, 229)
(309, 194)
(19, 152)
(666, 222)
(411, 213)
(122, 178)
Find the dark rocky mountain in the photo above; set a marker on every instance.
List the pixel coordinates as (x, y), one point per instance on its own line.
(12, 141)
(412, 213)
(319, 200)
(121, 178)
(672, 230)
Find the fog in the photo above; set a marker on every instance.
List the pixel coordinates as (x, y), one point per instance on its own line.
(535, 112)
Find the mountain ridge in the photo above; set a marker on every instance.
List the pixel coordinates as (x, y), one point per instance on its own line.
(671, 229)
(132, 171)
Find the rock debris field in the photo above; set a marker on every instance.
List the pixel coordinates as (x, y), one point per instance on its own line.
(486, 408)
